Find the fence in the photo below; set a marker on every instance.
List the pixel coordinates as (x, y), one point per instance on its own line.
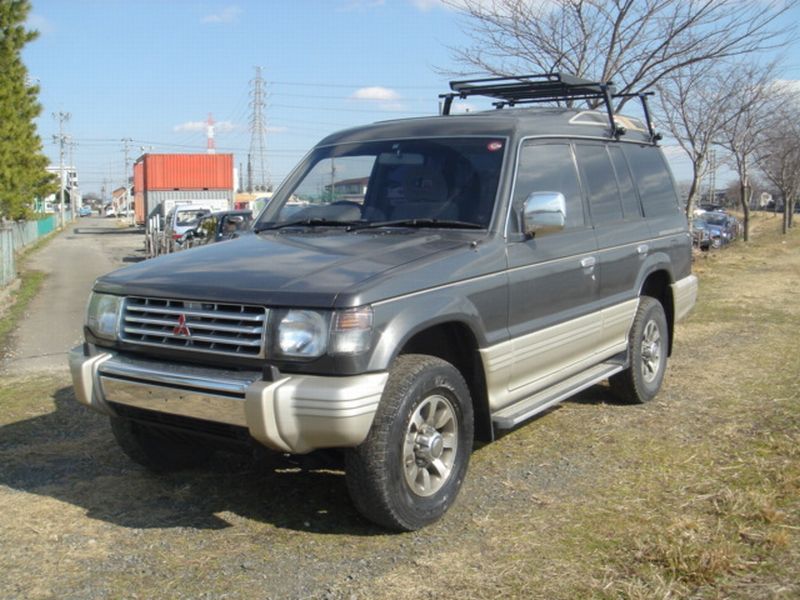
(16, 235)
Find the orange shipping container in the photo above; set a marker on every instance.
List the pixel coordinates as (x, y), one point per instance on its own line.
(184, 172)
(138, 207)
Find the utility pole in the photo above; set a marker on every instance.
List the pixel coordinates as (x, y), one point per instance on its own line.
(126, 149)
(73, 181)
(61, 139)
(258, 131)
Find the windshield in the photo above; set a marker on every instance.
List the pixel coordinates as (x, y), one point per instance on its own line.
(448, 182)
(715, 219)
(188, 217)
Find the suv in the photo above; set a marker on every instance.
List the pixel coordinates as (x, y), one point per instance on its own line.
(446, 279)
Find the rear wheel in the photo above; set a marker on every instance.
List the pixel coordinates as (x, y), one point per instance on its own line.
(158, 450)
(408, 471)
(647, 351)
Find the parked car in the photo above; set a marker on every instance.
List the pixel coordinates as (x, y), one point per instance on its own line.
(496, 264)
(178, 221)
(719, 227)
(216, 227)
(85, 211)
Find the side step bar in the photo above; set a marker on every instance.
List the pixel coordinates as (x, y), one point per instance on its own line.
(513, 415)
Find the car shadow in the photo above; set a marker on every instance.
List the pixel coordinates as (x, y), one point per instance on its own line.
(70, 455)
(597, 394)
(594, 395)
(108, 231)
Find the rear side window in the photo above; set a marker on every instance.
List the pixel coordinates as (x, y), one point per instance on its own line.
(653, 179)
(550, 168)
(631, 209)
(604, 200)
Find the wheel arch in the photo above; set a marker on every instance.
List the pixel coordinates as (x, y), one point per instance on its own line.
(455, 342)
(656, 284)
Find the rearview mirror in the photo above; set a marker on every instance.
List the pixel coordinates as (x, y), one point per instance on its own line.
(543, 213)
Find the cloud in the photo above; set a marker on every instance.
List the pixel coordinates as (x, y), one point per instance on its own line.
(229, 14)
(462, 108)
(426, 5)
(378, 93)
(384, 98)
(219, 127)
(787, 85)
(40, 24)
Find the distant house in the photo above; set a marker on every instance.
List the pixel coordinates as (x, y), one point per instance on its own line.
(349, 189)
(119, 200)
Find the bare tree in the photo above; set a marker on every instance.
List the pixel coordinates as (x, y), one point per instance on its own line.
(695, 111)
(778, 155)
(635, 43)
(752, 98)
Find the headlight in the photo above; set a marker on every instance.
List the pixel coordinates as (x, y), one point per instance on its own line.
(302, 334)
(102, 315)
(310, 334)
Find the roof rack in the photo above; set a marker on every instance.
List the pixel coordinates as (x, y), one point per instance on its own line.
(546, 87)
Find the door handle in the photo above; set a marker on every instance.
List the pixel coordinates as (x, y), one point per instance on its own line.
(642, 249)
(588, 262)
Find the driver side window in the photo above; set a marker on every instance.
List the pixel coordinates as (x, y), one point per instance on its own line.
(550, 168)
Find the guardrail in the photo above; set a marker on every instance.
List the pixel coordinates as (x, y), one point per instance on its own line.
(17, 235)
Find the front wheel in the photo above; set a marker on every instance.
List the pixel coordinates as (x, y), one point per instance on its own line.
(408, 471)
(647, 352)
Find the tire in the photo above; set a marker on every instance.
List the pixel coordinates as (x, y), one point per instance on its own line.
(423, 428)
(647, 351)
(159, 451)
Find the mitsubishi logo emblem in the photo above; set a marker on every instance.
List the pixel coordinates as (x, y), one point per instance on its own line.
(181, 328)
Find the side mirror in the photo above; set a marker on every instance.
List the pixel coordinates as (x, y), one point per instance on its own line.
(544, 212)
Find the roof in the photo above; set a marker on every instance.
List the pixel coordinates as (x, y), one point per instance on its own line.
(506, 122)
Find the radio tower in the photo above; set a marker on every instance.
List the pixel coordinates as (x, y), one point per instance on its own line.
(211, 147)
(258, 178)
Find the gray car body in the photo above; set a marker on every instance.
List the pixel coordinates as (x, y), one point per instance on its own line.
(494, 285)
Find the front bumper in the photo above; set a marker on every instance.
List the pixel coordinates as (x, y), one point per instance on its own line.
(294, 413)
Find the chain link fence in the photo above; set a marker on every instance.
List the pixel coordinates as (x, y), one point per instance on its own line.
(15, 236)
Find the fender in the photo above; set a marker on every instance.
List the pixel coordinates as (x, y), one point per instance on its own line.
(406, 317)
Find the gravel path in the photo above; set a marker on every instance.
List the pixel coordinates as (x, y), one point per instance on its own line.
(72, 261)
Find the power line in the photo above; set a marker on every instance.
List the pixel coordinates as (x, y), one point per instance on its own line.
(351, 86)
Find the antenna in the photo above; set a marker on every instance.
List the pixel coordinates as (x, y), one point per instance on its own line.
(211, 146)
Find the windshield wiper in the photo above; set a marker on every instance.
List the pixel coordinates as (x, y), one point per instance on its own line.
(420, 222)
(310, 222)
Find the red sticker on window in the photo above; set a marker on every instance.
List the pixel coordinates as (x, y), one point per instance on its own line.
(494, 146)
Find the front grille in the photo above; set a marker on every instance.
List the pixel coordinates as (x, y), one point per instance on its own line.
(232, 329)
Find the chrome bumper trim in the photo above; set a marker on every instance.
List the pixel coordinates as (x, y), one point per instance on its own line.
(297, 413)
(209, 380)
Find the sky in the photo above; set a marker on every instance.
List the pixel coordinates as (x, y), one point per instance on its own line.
(152, 71)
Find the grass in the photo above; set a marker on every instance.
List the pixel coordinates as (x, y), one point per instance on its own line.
(30, 284)
(694, 495)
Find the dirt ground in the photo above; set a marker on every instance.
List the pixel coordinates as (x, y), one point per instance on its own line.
(696, 494)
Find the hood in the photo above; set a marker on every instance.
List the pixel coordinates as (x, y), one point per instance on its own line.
(281, 268)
